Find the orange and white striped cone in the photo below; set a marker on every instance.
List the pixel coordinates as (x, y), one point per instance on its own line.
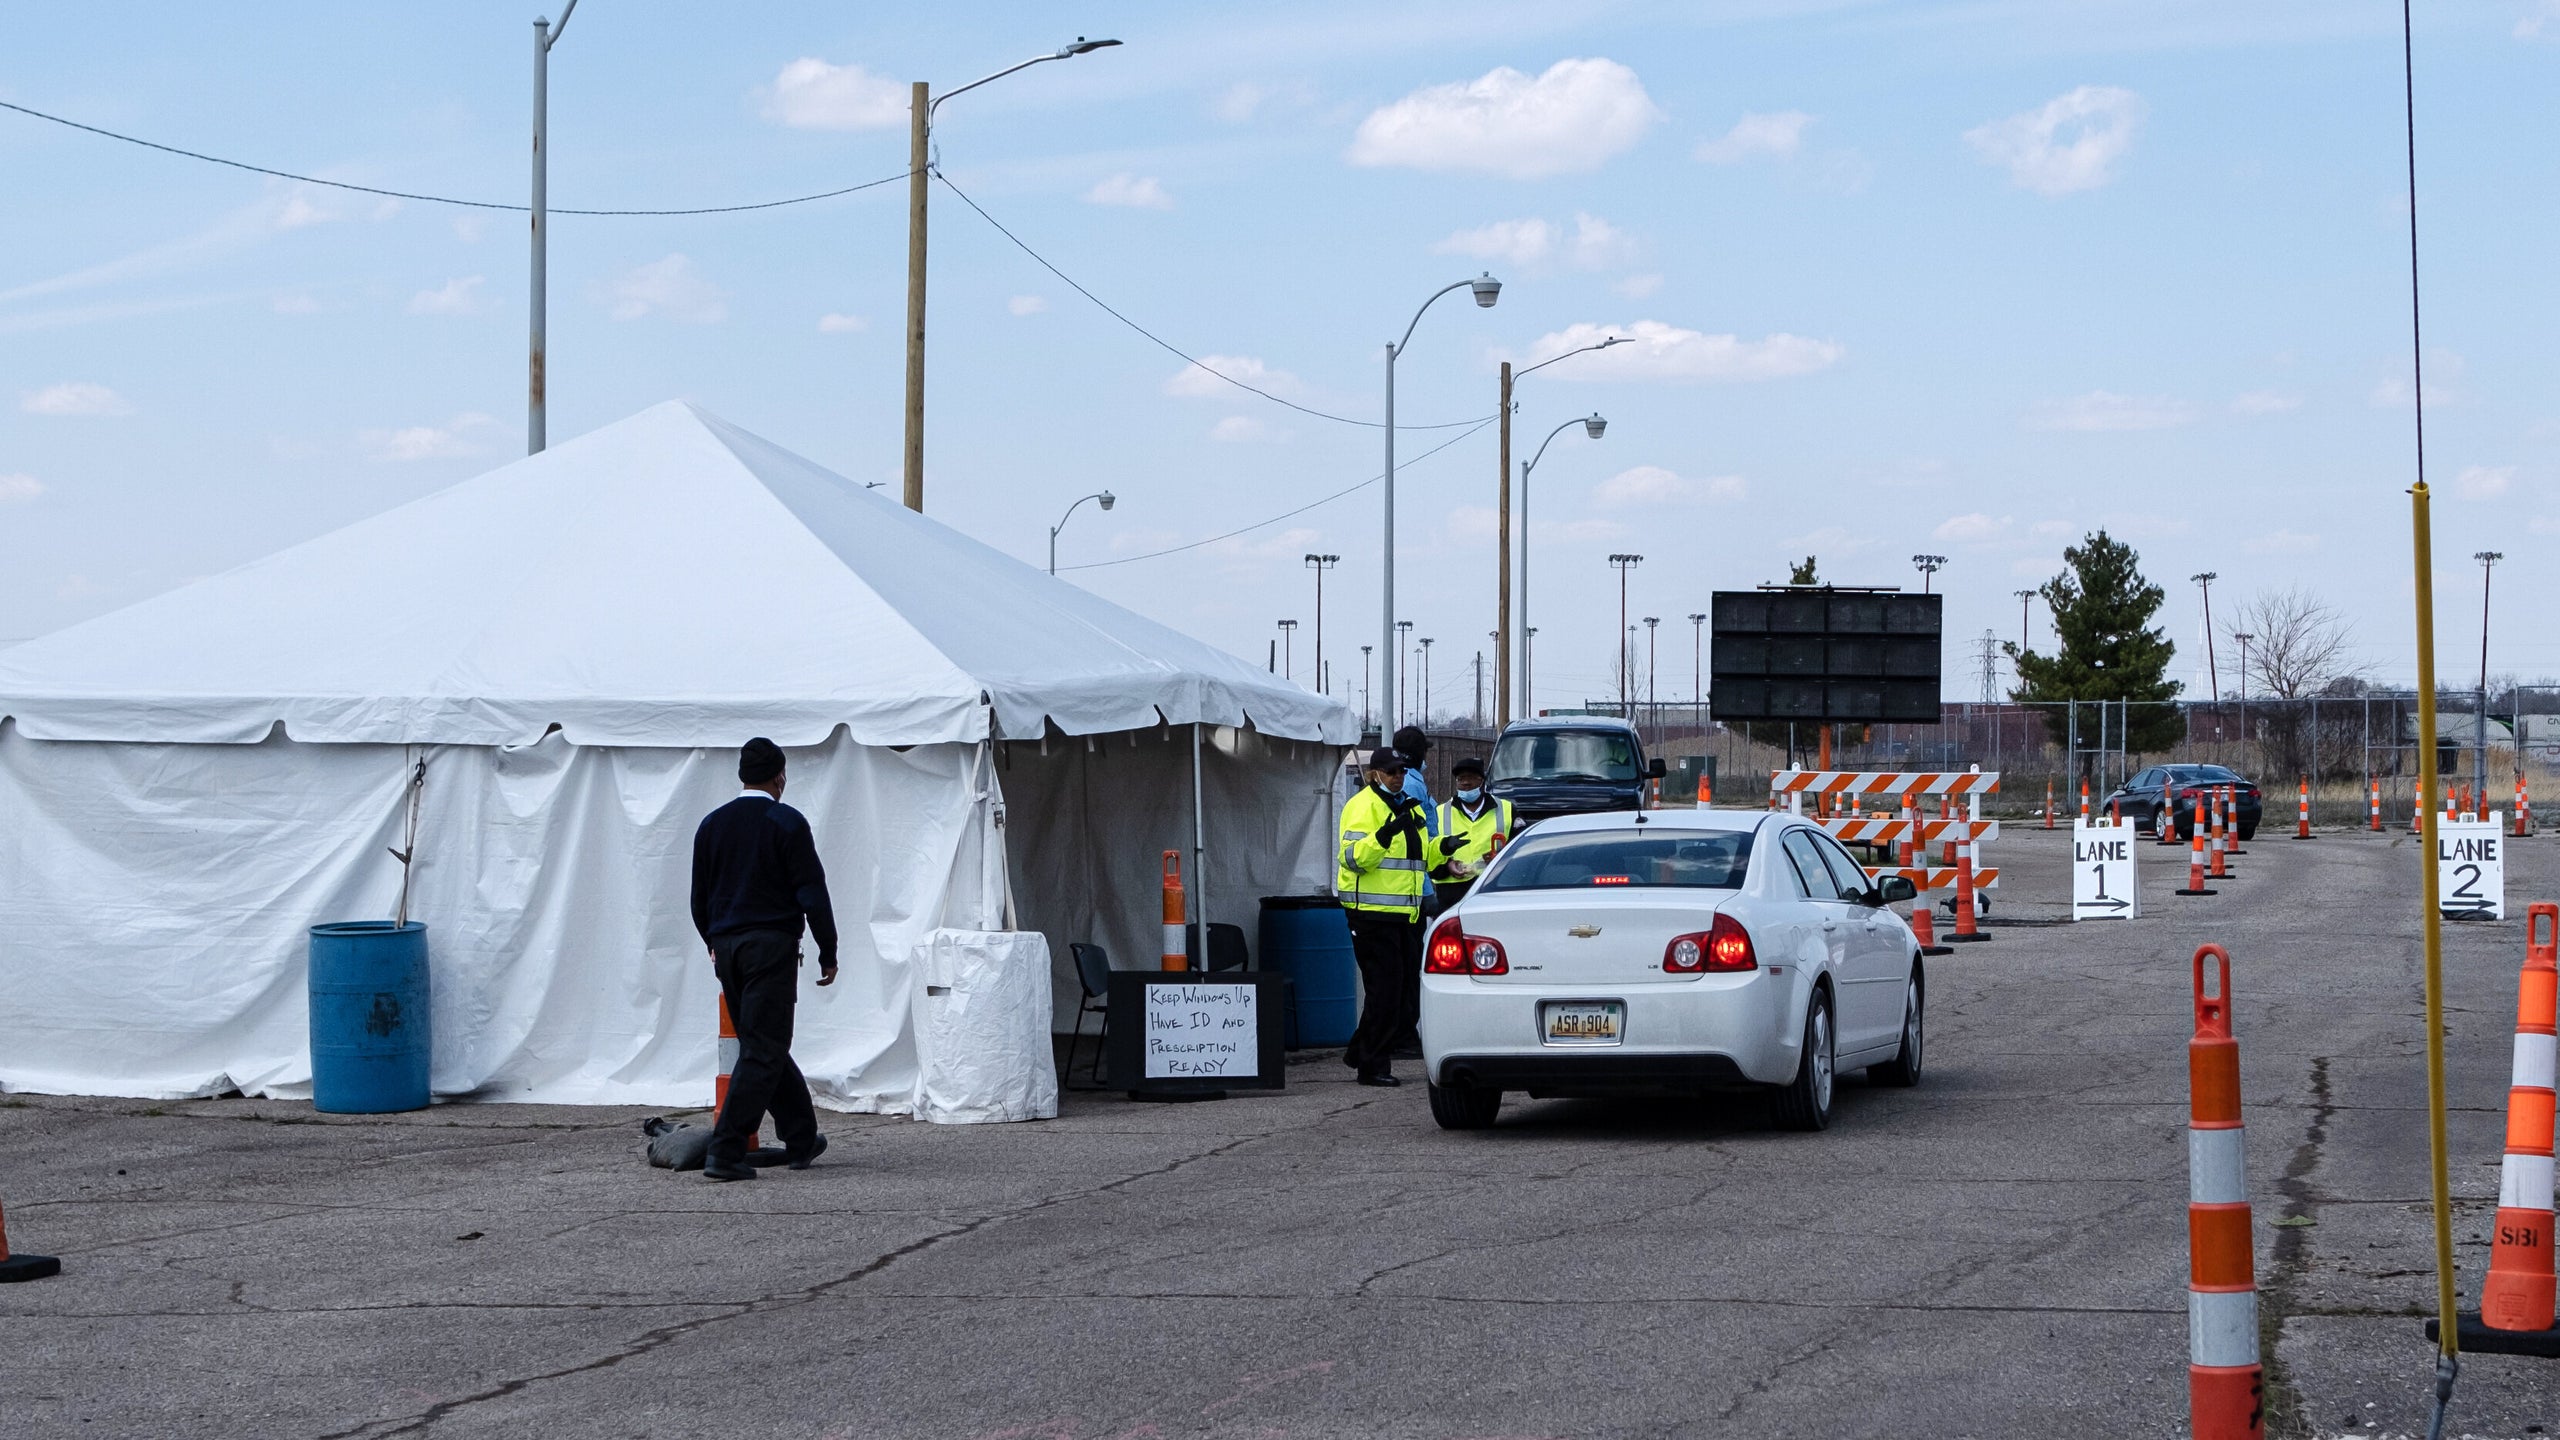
(728, 1057)
(2230, 797)
(2226, 1387)
(1966, 931)
(2048, 804)
(2084, 802)
(1910, 847)
(2417, 803)
(1177, 927)
(2221, 846)
(2302, 813)
(1947, 811)
(2195, 857)
(1924, 929)
(14, 1267)
(2167, 824)
(2517, 1295)
(2524, 808)
(2373, 808)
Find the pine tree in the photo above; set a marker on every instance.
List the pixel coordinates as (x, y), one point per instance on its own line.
(2102, 609)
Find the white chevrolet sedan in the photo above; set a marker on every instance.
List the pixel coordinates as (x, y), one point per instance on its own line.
(1670, 950)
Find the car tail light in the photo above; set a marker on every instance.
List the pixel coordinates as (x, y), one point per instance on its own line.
(1685, 955)
(1729, 948)
(1455, 952)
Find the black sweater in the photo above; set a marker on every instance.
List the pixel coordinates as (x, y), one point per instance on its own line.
(755, 867)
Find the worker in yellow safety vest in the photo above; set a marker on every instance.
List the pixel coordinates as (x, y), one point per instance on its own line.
(1480, 824)
(1380, 881)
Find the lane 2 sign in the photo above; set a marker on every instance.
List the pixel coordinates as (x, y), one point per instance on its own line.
(2104, 885)
(2471, 869)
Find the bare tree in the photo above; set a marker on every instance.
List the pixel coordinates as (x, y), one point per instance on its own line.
(2298, 645)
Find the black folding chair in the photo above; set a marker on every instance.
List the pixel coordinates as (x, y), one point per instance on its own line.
(1226, 948)
(1093, 973)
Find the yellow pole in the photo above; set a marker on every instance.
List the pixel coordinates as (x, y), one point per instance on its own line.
(2433, 919)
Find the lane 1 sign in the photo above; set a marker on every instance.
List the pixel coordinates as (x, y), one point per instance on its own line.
(2471, 868)
(2104, 884)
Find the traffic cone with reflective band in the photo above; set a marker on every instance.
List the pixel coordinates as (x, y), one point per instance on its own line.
(728, 1057)
(23, 1267)
(2167, 823)
(2084, 802)
(2524, 808)
(1177, 943)
(1706, 791)
(2195, 856)
(2221, 846)
(1925, 930)
(2417, 803)
(2373, 807)
(2518, 1293)
(2226, 1387)
(2302, 814)
(2048, 804)
(1909, 849)
(1947, 811)
(1965, 931)
(2231, 807)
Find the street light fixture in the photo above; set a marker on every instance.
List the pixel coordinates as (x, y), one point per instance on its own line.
(1108, 500)
(920, 167)
(1626, 655)
(1486, 290)
(1928, 566)
(1698, 670)
(1320, 564)
(1594, 426)
(1289, 649)
(1502, 534)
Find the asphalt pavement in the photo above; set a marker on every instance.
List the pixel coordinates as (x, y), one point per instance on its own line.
(1999, 1252)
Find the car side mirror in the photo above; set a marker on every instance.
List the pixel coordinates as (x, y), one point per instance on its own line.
(1654, 768)
(1895, 889)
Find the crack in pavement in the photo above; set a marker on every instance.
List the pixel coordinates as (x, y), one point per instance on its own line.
(2289, 1259)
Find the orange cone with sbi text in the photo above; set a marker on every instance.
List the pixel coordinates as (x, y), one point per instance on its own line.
(2517, 1295)
(2226, 1387)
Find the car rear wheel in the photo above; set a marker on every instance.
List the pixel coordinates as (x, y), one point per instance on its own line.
(1904, 1067)
(2248, 833)
(1465, 1107)
(1804, 1103)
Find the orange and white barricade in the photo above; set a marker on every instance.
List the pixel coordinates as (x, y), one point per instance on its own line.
(2226, 1386)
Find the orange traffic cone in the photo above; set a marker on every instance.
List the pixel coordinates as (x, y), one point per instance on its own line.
(2226, 1387)
(1966, 931)
(2195, 857)
(1924, 929)
(2302, 815)
(23, 1267)
(2373, 809)
(728, 1056)
(2517, 1295)
(1177, 930)
(1706, 791)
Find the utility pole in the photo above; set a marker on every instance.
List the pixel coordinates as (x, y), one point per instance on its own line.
(2244, 637)
(1698, 671)
(2212, 673)
(1626, 651)
(1928, 566)
(2024, 597)
(2480, 754)
(1426, 682)
(1364, 687)
(1289, 649)
(1404, 675)
(537, 380)
(1477, 714)
(1320, 564)
(1652, 668)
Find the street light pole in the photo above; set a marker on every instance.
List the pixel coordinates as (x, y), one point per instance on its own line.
(1698, 673)
(1364, 687)
(1108, 500)
(1594, 426)
(1502, 535)
(1486, 290)
(1320, 564)
(2212, 673)
(1425, 689)
(1928, 566)
(2024, 598)
(1626, 645)
(1388, 724)
(1652, 701)
(538, 304)
(922, 103)
(1289, 649)
(2480, 752)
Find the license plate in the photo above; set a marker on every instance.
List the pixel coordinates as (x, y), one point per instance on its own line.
(1582, 1022)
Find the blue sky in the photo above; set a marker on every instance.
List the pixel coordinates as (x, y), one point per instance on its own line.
(1970, 278)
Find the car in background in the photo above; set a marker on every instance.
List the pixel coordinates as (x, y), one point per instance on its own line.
(1680, 951)
(2141, 798)
(1570, 765)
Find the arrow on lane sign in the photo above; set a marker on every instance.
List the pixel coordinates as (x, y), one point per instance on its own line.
(2109, 903)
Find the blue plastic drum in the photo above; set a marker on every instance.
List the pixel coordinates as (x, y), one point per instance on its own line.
(370, 1031)
(1307, 938)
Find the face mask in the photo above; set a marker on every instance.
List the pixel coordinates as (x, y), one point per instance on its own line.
(1471, 796)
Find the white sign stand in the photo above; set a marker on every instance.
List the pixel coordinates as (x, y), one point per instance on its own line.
(2104, 884)
(2471, 868)
(1202, 1031)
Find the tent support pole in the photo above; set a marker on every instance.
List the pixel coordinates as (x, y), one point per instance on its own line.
(1199, 848)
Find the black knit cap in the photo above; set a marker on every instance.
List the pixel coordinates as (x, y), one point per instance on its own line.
(759, 760)
(1386, 760)
(1413, 742)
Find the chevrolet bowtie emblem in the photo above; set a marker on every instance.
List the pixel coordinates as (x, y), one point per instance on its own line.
(1583, 932)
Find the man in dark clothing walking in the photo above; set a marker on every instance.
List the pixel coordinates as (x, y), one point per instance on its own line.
(756, 882)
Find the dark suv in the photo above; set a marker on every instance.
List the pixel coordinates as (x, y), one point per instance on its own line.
(2141, 797)
(1570, 765)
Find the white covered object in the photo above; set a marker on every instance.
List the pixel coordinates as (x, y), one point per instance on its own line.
(982, 1027)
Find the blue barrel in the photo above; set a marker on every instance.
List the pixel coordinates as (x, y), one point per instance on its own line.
(370, 1031)
(1307, 938)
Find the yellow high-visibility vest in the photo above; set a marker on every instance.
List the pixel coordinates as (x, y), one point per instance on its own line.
(1368, 876)
(1478, 831)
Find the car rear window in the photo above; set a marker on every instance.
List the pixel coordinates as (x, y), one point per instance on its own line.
(1663, 858)
(1564, 755)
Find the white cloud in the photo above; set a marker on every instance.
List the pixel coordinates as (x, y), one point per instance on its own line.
(2530, 25)
(19, 487)
(460, 296)
(2053, 530)
(1195, 383)
(1653, 485)
(1241, 429)
(299, 211)
(294, 305)
(838, 324)
(1974, 529)
(2106, 410)
(1776, 133)
(1026, 304)
(74, 397)
(1656, 351)
(811, 94)
(453, 440)
(1135, 192)
(469, 228)
(1518, 243)
(2445, 370)
(1574, 118)
(1599, 245)
(2281, 542)
(1637, 287)
(2484, 482)
(2068, 144)
(2264, 402)
(669, 287)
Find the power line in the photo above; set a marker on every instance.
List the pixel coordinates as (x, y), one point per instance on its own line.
(1168, 346)
(1285, 514)
(439, 199)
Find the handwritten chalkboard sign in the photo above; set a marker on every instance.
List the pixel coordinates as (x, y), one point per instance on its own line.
(1179, 1032)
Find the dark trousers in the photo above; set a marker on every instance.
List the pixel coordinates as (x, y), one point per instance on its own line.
(760, 978)
(1389, 951)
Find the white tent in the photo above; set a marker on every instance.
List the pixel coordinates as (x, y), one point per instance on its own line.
(573, 645)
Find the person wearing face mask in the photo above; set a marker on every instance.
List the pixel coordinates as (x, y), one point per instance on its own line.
(1380, 880)
(1473, 827)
